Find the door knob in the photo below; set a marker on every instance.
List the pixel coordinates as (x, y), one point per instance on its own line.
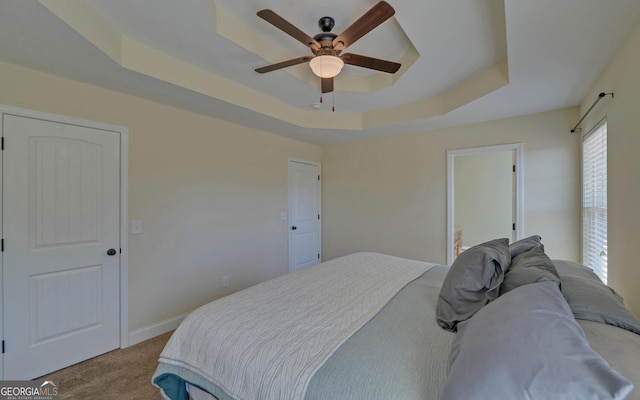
(111, 252)
(293, 228)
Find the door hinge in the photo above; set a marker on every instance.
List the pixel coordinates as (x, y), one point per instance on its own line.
(513, 227)
(3, 347)
(318, 256)
(1, 245)
(2, 143)
(514, 168)
(318, 216)
(318, 177)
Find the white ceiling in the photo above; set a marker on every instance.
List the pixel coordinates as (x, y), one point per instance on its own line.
(554, 50)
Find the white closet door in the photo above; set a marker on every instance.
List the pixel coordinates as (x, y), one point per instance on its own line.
(304, 215)
(62, 256)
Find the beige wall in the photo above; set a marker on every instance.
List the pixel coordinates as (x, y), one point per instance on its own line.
(209, 193)
(389, 194)
(621, 76)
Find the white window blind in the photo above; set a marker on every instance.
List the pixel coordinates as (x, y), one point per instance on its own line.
(594, 200)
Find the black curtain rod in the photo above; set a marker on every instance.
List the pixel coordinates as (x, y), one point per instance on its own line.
(600, 96)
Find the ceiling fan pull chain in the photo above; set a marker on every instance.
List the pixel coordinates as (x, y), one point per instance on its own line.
(333, 102)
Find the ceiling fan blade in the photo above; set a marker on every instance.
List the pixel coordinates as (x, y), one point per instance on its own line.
(371, 19)
(288, 28)
(283, 64)
(371, 63)
(327, 85)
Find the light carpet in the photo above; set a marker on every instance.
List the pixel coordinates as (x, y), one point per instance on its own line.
(121, 374)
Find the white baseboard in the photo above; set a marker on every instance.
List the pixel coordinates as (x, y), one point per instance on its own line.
(151, 331)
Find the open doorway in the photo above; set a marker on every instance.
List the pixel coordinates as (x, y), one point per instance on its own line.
(484, 202)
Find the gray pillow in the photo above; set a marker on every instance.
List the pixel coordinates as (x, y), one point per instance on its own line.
(591, 299)
(526, 244)
(570, 268)
(527, 345)
(529, 267)
(472, 281)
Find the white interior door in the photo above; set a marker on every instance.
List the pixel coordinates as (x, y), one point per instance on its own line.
(61, 234)
(304, 215)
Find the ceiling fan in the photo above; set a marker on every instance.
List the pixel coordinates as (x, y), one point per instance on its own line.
(327, 60)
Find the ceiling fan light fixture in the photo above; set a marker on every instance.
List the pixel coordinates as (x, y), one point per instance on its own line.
(326, 66)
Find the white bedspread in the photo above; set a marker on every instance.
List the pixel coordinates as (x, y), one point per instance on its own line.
(266, 342)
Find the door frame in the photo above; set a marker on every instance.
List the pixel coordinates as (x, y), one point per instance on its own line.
(518, 192)
(289, 206)
(123, 132)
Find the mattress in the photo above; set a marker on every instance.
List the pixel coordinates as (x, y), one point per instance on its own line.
(324, 305)
(399, 351)
(399, 354)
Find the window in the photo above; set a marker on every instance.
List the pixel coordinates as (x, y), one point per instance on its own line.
(594, 200)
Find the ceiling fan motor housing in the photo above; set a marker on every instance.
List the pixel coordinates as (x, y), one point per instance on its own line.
(325, 38)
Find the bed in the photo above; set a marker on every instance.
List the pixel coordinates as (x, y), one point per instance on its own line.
(368, 326)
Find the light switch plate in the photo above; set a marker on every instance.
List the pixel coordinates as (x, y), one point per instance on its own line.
(136, 226)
